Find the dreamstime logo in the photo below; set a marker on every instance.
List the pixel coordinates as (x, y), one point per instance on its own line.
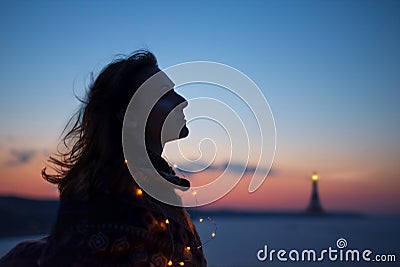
(341, 243)
(242, 141)
(330, 254)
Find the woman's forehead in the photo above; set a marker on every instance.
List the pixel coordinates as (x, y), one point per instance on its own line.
(165, 81)
(161, 81)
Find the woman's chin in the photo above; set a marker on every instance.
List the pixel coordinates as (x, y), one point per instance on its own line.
(184, 132)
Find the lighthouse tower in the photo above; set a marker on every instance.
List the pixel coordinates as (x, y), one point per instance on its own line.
(315, 205)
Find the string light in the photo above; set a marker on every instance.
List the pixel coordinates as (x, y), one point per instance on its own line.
(214, 233)
(194, 193)
(163, 226)
(139, 192)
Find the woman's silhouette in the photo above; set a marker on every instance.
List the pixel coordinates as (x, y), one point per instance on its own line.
(104, 218)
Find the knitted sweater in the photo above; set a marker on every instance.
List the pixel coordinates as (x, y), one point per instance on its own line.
(114, 230)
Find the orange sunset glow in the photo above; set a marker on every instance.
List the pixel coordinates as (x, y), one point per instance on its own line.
(285, 190)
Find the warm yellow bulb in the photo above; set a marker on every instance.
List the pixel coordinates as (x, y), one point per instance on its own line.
(314, 177)
(169, 263)
(194, 193)
(201, 220)
(163, 226)
(175, 166)
(166, 221)
(181, 263)
(126, 161)
(187, 248)
(139, 192)
(213, 235)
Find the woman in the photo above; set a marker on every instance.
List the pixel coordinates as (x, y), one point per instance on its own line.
(105, 218)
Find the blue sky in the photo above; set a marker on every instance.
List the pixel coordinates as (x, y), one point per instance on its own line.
(329, 69)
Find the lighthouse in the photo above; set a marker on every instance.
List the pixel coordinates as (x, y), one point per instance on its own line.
(315, 205)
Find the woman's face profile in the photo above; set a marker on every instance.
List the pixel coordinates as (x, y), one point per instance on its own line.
(167, 117)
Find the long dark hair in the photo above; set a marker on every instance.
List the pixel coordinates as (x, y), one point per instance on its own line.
(93, 149)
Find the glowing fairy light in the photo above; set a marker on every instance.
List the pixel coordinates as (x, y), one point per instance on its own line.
(165, 226)
(214, 233)
(139, 192)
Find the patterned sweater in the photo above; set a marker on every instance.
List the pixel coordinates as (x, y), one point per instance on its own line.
(119, 230)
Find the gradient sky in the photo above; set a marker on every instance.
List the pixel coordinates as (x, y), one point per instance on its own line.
(329, 70)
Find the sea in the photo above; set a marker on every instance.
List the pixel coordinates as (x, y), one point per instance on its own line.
(292, 241)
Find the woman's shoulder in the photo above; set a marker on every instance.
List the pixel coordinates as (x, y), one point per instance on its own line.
(24, 254)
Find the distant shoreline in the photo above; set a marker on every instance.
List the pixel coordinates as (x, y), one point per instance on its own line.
(23, 216)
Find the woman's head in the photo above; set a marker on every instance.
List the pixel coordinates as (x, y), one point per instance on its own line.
(108, 98)
(93, 144)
